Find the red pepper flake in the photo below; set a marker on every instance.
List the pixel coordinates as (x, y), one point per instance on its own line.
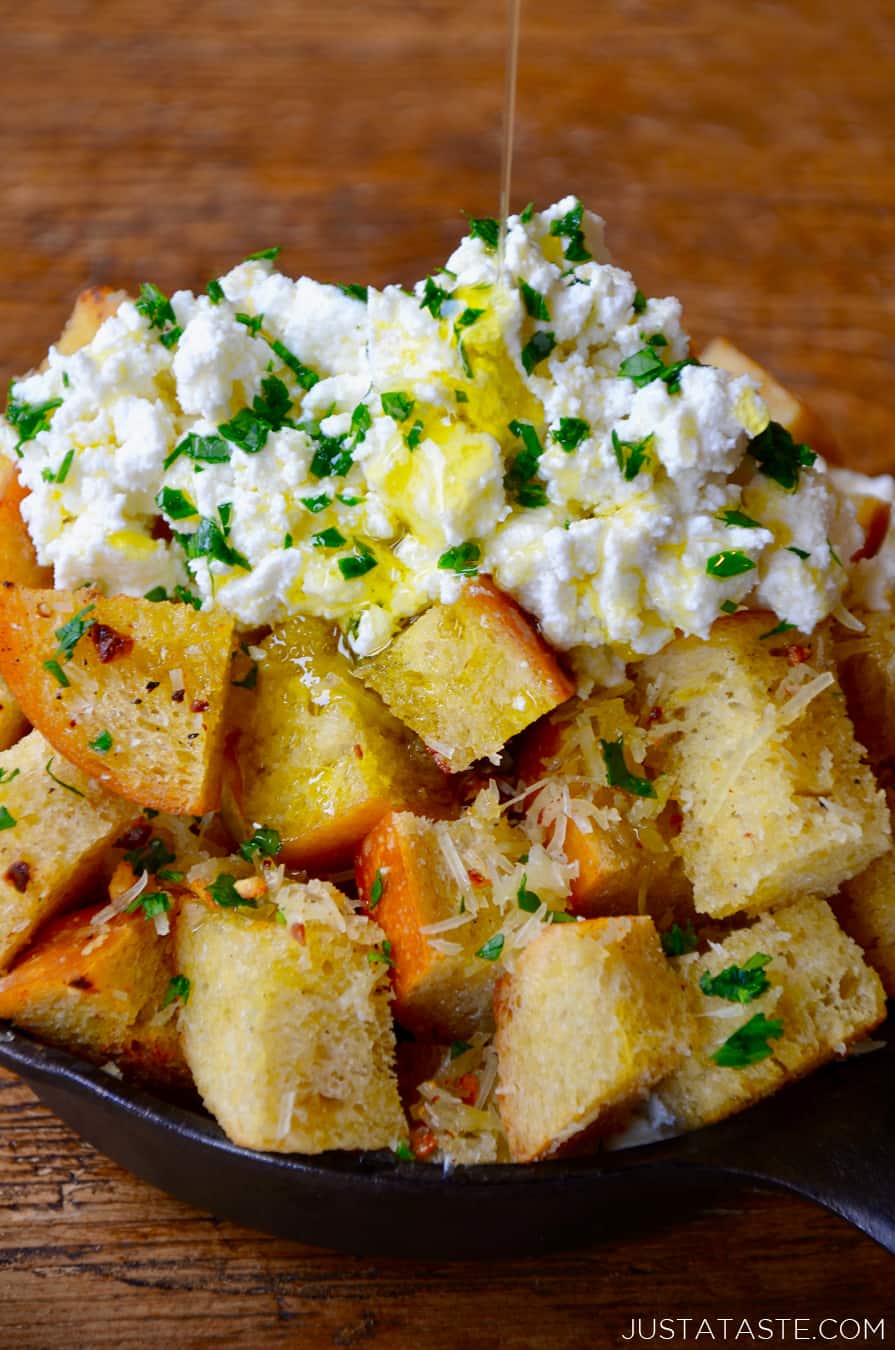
(654, 715)
(359, 751)
(135, 836)
(476, 877)
(422, 1141)
(467, 1088)
(199, 705)
(178, 696)
(297, 930)
(82, 982)
(797, 655)
(18, 874)
(110, 644)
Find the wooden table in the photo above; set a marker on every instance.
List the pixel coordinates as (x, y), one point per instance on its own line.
(743, 158)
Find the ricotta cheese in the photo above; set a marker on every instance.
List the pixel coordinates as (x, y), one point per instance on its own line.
(279, 446)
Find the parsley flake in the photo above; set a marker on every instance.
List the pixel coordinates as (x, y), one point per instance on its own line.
(202, 449)
(537, 349)
(535, 304)
(62, 472)
(779, 457)
(749, 1045)
(215, 292)
(677, 941)
(799, 552)
(729, 607)
(619, 775)
(57, 673)
(178, 988)
(68, 786)
(155, 306)
(101, 743)
(782, 627)
(265, 254)
(527, 900)
(381, 956)
(492, 949)
(328, 538)
(526, 213)
(459, 1048)
(316, 504)
(361, 422)
(639, 303)
(252, 322)
(434, 297)
(152, 903)
(306, 377)
(736, 518)
(414, 435)
(210, 541)
(358, 564)
(265, 841)
(485, 228)
(7, 821)
(355, 292)
(738, 984)
(29, 418)
(646, 365)
(376, 890)
(733, 562)
(569, 227)
(570, 433)
(70, 634)
(462, 559)
(224, 893)
(397, 406)
(174, 504)
(631, 456)
(7, 775)
(518, 479)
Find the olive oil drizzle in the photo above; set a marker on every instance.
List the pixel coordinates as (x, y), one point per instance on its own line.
(514, 10)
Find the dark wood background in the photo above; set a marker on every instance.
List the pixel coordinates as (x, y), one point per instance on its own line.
(743, 157)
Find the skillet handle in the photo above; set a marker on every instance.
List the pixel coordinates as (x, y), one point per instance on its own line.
(830, 1138)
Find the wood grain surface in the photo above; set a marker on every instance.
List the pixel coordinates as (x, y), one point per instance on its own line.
(743, 157)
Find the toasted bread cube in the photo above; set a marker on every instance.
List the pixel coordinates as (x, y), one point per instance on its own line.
(288, 1030)
(97, 990)
(820, 990)
(138, 704)
(92, 307)
(18, 561)
(468, 676)
(13, 723)
(316, 755)
(404, 882)
(800, 421)
(776, 798)
(866, 663)
(865, 907)
(590, 1019)
(618, 841)
(52, 838)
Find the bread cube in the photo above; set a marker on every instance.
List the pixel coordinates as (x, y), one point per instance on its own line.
(468, 676)
(591, 1018)
(92, 307)
(18, 561)
(866, 663)
(55, 826)
(865, 907)
(800, 421)
(97, 990)
(316, 755)
(13, 724)
(618, 840)
(777, 801)
(130, 691)
(820, 992)
(288, 1031)
(442, 990)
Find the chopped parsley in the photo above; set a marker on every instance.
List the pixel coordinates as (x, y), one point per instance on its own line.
(155, 306)
(152, 903)
(569, 227)
(210, 541)
(537, 349)
(535, 304)
(434, 297)
(518, 479)
(270, 409)
(834, 555)
(646, 365)
(381, 956)
(490, 950)
(677, 941)
(355, 291)
(57, 673)
(306, 377)
(288, 541)
(316, 504)
(527, 900)
(174, 504)
(224, 893)
(619, 775)
(397, 405)
(376, 890)
(265, 841)
(186, 597)
(70, 634)
(749, 1045)
(29, 418)
(459, 1048)
(361, 421)
(358, 564)
(7, 821)
(737, 518)
(631, 456)
(414, 435)
(151, 857)
(485, 228)
(729, 607)
(205, 449)
(403, 1152)
(252, 322)
(799, 552)
(68, 786)
(348, 500)
(779, 456)
(526, 213)
(570, 433)
(738, 984)
(266, 254)
(7, 775)
(178, 988)
(781, 627)
(62, 472)
(333, 457)
(215, 292)
(733, 562)
(328, 538)
(463, 558)
(639, 303)
(101, 743)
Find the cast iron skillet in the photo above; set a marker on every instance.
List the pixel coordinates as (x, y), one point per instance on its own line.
(831, 1138)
